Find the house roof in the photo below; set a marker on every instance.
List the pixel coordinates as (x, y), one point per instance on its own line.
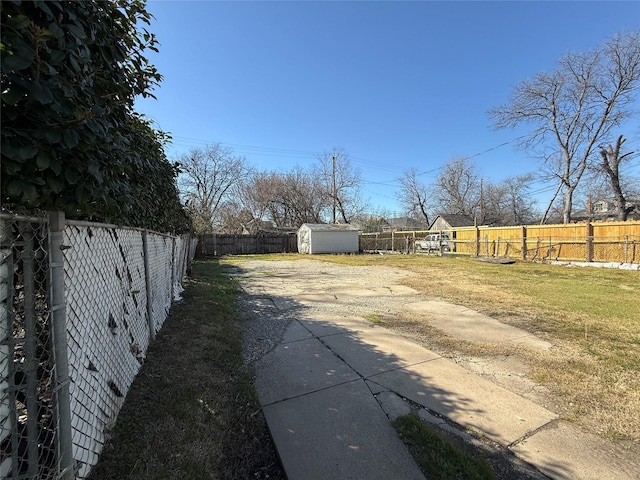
(456, 219)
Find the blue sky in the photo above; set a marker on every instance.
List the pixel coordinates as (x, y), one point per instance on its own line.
(395, 84)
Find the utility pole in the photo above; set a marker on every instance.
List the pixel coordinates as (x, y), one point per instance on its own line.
(481, 203)
(333, 181)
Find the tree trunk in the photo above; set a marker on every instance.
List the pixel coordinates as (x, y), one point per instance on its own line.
(553, 199)
(424, 214)
(566, 208)
(611, 159)
(621, 211)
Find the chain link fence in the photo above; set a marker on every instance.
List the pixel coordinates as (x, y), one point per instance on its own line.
(80, 304)
(27, 413)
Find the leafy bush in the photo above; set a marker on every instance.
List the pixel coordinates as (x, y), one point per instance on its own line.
(70, 139)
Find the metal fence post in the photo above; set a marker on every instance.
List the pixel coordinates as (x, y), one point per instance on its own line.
(11, 461)
(174, 266)
(147, 281)
(30, 344)
(59, 340)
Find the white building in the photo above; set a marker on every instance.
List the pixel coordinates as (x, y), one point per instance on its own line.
(327, 238)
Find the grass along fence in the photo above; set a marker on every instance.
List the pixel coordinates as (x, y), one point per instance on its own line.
(584, 242)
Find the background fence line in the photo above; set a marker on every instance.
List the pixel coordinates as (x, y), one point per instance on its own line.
(617, 242)
(80, 303)
(229, 244)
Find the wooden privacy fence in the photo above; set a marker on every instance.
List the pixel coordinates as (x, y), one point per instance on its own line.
(585, 242)
(226, 244)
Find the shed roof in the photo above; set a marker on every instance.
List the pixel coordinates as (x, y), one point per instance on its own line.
(328, 227)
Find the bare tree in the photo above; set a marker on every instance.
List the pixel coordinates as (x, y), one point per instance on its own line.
(285, 199)
(414, 196)
(610, 165)
(575, 107)
(207, 176)
(509, 202)
(257, 194)
(458, 188)
(300, 199)
(520, 205)
(340, 182)
(492, 204)
(237, 220)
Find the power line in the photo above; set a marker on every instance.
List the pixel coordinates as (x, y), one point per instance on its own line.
(248, 149)
(305, 154)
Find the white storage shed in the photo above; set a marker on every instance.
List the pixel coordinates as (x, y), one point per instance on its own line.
(327, 238)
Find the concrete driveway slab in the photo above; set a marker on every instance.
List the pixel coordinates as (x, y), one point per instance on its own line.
(377, 350)
(469, 400)
(295, 332)
(310, 299)
(284, 303)
(324, 387)
(323, 325)
(395, 290)
(328, 434)
(466, 324)
(564, 452)
(298, 368)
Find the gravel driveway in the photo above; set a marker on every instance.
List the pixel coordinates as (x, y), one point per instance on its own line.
(276, 292)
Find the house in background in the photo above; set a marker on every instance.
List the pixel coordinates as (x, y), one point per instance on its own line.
(446, 221)
(604, 210)
(327, 238)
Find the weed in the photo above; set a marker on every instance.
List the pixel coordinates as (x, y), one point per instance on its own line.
(436, 455)
(373, 318)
